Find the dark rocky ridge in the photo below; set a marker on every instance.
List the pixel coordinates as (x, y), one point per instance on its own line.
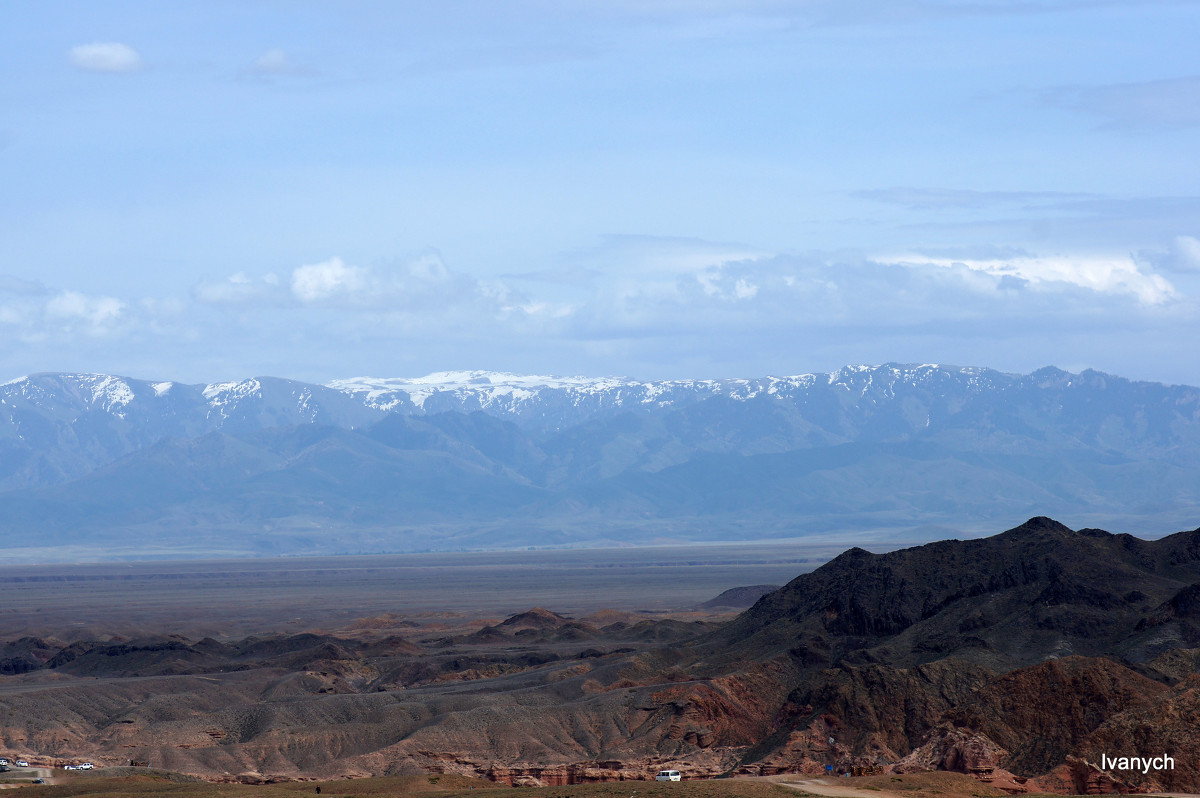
(1039, 643)
(1037, 591)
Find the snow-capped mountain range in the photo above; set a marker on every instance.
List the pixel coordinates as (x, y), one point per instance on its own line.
(887, 445)
(511, 393)
(541, 402)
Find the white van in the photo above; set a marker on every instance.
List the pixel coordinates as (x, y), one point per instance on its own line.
(668, 775)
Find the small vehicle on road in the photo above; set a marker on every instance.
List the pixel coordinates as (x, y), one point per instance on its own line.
(669, 775)
(21, 763)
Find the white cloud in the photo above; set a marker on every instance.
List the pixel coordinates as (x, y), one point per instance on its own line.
(708, 282)
(273, 61)
(419, 285)
(1102, 274)
(723, 283)
(744, 289)
(276, 62)
(1183, 256)
(331, 278)
(743, 317)
(99, 312)
(940, 307)
(428, 267)
(647, 290)
(547, 310)
(239, 289)
(106, 57)
(665, 256)
(630, 271)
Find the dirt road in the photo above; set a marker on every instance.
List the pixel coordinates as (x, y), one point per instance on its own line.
(827, 786)
(831, 788)
(26, 775)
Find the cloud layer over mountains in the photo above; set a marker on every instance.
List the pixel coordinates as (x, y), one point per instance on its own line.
(637, 305)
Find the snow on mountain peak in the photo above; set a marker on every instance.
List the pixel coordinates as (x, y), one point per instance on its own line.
(538, 398)
(110, 392)
(222, 395)
(489, 385)
(486, 388)
(454, 380)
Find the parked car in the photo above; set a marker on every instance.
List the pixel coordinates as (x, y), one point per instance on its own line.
(72, 767)
(39, 781)
(21, 763)
(669, 775)
(86, 766)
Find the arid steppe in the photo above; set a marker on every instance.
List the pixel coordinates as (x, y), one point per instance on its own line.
(237, 597)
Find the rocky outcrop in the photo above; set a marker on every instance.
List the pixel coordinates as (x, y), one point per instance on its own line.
(961, 750)
(1045, 713)
(816, 751)
(955, 749)
(888, 710)
(1077, 776)
(1169, 726)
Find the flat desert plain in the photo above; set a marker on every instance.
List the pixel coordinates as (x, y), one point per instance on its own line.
(236, 597)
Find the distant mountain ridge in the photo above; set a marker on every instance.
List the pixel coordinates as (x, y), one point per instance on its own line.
(485, 459)
(105, 416)
(92, 419)
(535, 402)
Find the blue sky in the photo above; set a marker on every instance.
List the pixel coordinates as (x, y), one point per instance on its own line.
(211, 190)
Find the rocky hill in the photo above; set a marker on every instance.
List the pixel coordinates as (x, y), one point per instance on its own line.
(1008, 657)
(1032, 593)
